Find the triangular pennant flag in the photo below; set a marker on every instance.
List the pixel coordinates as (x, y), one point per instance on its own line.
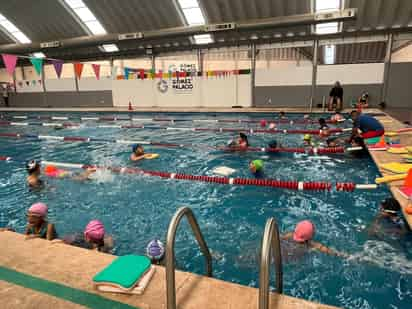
(78, 69)
(37, 64)
(96, 69)
(126, 73)
(10, 62)
(141, 74)
(58, 66)
(159, 74)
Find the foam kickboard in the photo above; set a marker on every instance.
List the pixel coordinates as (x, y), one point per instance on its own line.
(396, 167)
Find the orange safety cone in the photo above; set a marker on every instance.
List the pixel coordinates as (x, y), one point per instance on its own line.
(382, 142)
(130, 106)
(408, 180)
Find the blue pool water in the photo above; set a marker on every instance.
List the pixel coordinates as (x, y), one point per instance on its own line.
(136, 209)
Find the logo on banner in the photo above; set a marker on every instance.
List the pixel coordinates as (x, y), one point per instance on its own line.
(162, 86)
(184, 84)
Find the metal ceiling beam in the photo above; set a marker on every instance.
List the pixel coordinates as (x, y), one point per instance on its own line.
(250, 25)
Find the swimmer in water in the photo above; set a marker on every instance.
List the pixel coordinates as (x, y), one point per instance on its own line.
(337, 117)
(38, 227)
(273, 144)
(54, 172)
(256, 168)
(302, 239)
(307, 140)
(388, 221)
(33, 180)
(282, 115)
(137, 153)
(93, 238)
(241, 143)
(323, 128)
(155, 251)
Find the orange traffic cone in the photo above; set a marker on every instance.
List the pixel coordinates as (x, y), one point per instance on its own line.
(382, 142)
(130, 106)
(408, 180)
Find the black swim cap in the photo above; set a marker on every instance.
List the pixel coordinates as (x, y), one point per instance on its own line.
(273, 144)
(32, 165)
(391, 204)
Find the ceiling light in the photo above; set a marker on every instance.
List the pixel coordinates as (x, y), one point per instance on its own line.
(110, 48)
(38, 55)
(11, 30)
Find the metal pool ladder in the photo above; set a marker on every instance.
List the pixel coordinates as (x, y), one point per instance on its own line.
(270, 247)
(170, 251)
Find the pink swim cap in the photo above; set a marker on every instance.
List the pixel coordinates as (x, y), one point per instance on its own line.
(94, 230)
(38, 209)
(304, 231)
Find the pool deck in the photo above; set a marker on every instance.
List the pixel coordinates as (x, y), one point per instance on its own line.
(381, 157)
(75, 267)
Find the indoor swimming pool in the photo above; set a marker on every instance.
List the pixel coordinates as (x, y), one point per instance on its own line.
(137, 208)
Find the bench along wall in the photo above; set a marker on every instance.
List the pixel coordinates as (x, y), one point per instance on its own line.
(291, 85)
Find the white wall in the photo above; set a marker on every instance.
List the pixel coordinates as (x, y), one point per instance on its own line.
(28, 86)
(350, 74)
(63, 84)
(403, 55)
(287, 75)
(93, 84)
(212, 91)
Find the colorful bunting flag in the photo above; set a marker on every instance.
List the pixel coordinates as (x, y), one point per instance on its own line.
(78, 69)
(126, 73)
(58, 66)
(141, 74)
(96, 69)
(37, 64)
(10, 62)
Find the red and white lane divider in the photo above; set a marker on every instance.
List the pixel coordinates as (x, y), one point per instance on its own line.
(172, 120)
(186, 129)
(307, 150)
(284, 184)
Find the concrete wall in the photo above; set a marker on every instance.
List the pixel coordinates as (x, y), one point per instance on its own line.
(62, 99)
(291, 85)
(399, 87)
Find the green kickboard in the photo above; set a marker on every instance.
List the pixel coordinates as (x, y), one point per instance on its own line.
(374, 140)
(124, 271)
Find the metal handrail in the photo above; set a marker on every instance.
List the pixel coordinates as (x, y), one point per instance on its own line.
(170, 252)
(270, 246)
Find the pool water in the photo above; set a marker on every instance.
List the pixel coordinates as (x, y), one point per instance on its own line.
(136, 209)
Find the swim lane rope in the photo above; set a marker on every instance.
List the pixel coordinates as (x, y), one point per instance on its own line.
(284, 184)
(307, 150)
(186, 129)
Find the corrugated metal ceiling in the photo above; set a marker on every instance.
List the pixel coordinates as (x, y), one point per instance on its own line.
(48, 20)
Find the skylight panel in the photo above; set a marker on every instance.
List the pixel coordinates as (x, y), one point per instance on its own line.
(38, 55)
(327, 5)
(90, 21)
(203, 39)
(110, 48)
(14, 32)
(194, 17)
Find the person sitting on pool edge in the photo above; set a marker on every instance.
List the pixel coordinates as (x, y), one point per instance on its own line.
(33, 180)
(256, 167)
(368, 125)
(302, 238)
(388, 220)
(37, 226)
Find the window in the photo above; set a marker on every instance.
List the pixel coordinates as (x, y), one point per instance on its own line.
(194, 17)
(14, 32)
(90, 21)
(329, 54)
(325, 28)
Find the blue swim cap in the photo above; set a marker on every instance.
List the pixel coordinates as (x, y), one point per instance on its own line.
(155, 250)
(134, 147)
